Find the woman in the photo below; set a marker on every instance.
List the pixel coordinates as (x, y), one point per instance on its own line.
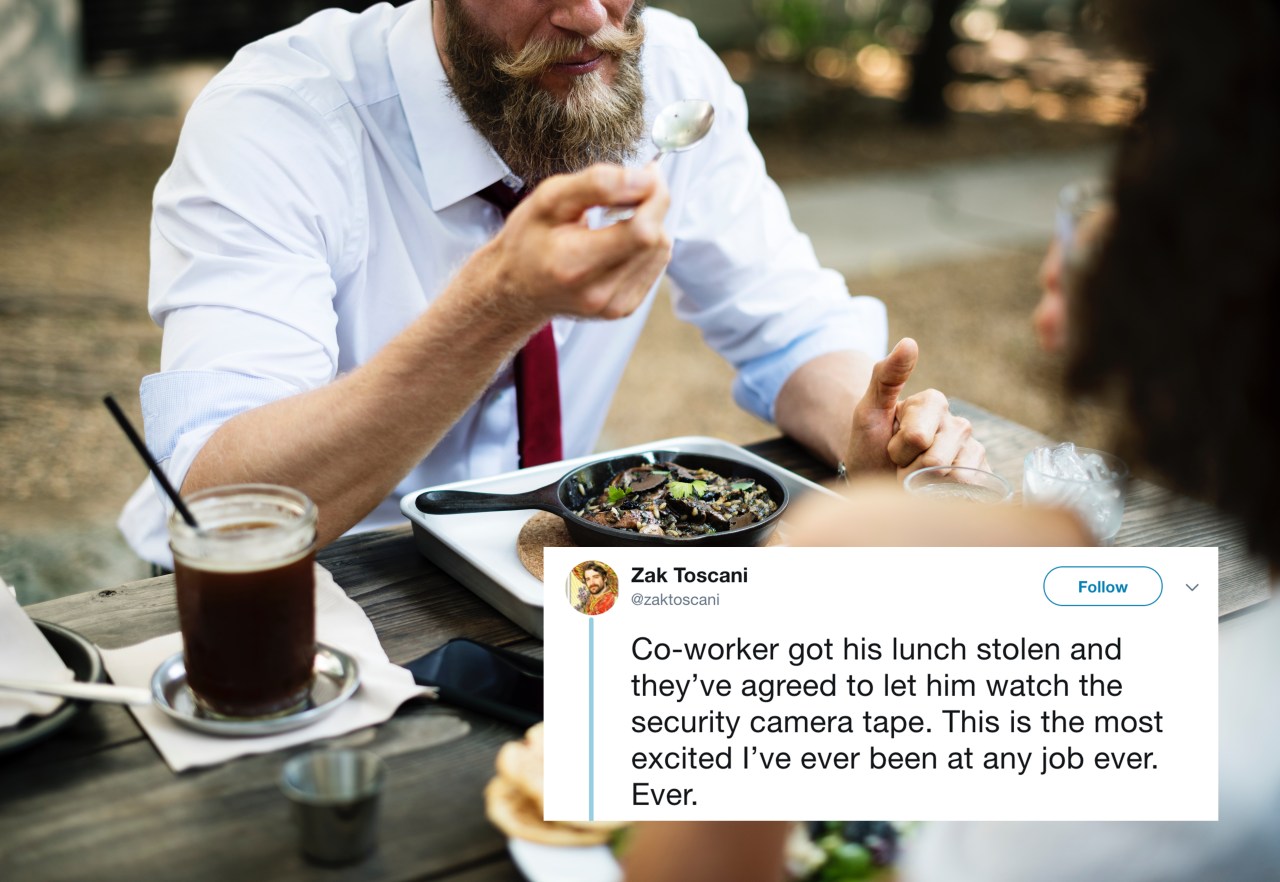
(1177, 316)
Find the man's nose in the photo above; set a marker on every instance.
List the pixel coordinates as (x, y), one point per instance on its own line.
(581, 17)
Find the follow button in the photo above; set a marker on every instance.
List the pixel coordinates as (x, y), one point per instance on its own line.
(1103, 586)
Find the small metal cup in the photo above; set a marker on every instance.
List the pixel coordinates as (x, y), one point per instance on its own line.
(335, 797)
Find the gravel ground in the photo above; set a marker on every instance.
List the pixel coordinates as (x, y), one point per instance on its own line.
(73, 276)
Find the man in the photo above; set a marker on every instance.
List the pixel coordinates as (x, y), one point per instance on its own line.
(599, 600)
(341, 305)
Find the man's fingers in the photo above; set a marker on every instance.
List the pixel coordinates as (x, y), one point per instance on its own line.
(564, 198)
(890, 375)
(954, 446)
(920, 418)
(621, 265)
(973, 455)
(637, 238)
(593, 270)
(948, 442)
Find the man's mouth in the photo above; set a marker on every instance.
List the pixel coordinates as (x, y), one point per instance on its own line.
(580, 64)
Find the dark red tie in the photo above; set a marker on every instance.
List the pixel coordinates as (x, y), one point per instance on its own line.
(537, 378)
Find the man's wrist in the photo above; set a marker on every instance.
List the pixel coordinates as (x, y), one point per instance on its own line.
(484, 288)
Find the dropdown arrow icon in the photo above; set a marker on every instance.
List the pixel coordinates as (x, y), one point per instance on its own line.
(1193, 587)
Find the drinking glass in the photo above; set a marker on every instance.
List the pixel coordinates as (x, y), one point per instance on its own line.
(958, 482)
(1096, 494)
(246, 599)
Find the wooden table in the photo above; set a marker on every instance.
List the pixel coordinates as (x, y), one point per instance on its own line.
(97, 802)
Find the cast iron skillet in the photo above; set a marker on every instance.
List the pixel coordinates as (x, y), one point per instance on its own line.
(570, 493)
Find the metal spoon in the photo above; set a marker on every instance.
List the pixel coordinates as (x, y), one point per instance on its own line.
(678, 127)
(107, 692)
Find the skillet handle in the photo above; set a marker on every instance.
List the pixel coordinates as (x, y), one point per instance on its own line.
(443, 502)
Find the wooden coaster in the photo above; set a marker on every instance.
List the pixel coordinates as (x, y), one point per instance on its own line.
(543, 530)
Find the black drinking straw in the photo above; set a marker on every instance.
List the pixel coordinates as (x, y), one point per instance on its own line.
(150, 460)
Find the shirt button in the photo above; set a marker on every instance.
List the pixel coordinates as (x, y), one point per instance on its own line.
(512, 182)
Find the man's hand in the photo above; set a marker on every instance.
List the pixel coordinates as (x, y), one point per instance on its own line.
(544, 262)
(911, 433)
(547, 262)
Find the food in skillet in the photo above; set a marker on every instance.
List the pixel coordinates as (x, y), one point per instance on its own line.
(668, 499)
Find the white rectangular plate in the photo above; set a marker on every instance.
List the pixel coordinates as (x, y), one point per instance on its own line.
(479, 550)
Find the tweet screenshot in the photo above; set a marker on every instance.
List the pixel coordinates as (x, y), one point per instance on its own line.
(922, 683)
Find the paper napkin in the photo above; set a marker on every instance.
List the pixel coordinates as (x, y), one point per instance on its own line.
(340, 623)
(25, 654)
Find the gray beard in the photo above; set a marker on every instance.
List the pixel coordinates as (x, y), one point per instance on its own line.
(537, 134)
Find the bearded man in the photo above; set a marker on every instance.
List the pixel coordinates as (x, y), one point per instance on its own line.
(596, 597)
(354, 305)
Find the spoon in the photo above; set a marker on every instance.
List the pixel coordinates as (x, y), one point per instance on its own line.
(678, 127)
(107, 692)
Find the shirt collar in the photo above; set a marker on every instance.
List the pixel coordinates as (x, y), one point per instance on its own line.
(456, 161)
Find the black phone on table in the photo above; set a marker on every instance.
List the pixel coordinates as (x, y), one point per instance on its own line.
(487, 679)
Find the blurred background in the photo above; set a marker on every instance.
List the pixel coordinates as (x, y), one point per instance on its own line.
(921, 144)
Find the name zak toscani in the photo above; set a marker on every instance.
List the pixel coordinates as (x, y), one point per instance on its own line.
(686, 575)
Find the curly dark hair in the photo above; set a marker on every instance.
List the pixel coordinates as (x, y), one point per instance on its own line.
(1178, 314)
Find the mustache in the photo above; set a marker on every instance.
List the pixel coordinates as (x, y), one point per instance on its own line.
(531, 61)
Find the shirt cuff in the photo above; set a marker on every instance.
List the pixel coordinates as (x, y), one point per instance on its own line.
(181, 410)
(760, 379)
(177, 403)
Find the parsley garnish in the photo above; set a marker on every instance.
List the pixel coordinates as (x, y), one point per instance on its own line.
(617, 494)
(683, 489)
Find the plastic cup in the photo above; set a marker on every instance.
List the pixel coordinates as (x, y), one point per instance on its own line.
(1098, 502)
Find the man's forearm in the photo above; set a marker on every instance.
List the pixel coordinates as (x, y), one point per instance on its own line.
(815, 405)
(347, 444)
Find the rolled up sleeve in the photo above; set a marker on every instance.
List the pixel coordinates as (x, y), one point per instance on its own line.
(745, 275)
(251, 227)
(760, 379)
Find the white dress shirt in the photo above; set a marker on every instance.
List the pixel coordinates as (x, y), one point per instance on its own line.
(322, 195)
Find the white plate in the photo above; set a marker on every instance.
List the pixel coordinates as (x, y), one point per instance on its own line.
(559, 863)
(479, 550)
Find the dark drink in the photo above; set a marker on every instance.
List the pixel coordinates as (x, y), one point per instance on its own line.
(249, 638)
(246, 599)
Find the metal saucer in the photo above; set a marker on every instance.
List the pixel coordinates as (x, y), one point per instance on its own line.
(337, 678)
